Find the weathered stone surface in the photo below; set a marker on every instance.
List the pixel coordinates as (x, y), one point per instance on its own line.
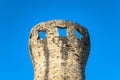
(56, 57)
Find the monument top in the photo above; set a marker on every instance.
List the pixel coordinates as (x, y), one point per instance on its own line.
(56, 57)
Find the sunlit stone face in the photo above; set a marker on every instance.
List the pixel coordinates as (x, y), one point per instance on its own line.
(59, 56)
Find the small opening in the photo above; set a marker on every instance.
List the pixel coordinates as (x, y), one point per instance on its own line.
(62, 32)
(42, 34)
(77, 33)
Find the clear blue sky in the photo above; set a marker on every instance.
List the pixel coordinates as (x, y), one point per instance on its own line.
(100, 17)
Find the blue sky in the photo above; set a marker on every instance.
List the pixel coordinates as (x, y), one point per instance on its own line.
(100, 17)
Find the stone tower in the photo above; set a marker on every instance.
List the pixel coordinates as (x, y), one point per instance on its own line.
(56, 57)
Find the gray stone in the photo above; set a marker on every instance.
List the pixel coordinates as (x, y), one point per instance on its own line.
(56, 57)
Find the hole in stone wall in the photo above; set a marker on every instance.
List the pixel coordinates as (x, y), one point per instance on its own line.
(42, 34)
(62, 32)
(78, 34)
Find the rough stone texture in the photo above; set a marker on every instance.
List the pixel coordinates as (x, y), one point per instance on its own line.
(56, 57)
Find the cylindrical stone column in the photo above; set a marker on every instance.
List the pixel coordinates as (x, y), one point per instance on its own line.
(56, 57)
